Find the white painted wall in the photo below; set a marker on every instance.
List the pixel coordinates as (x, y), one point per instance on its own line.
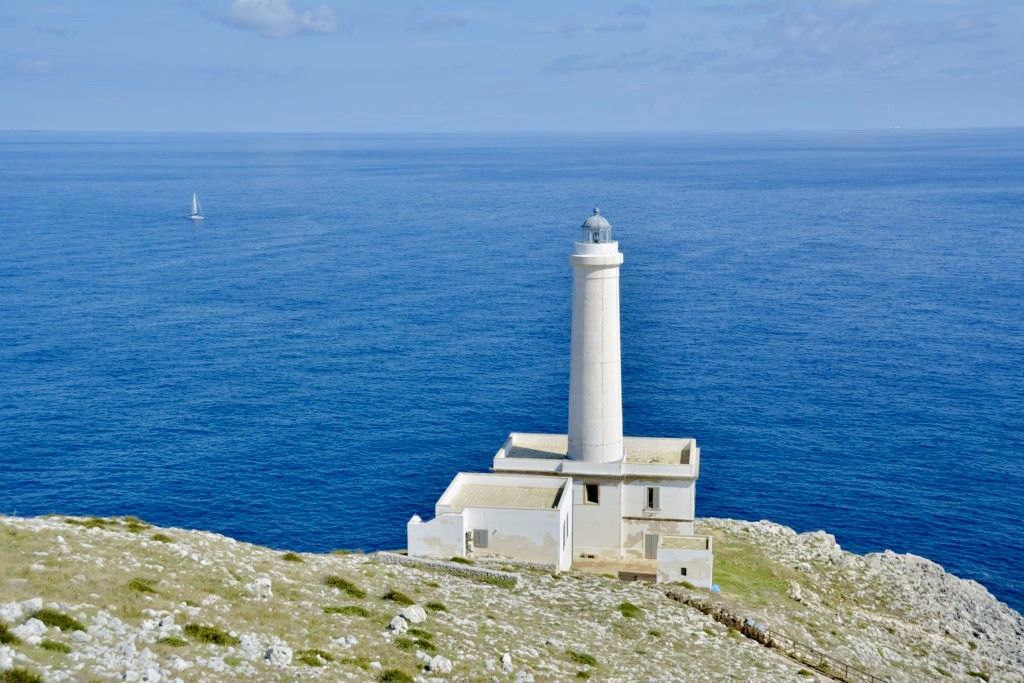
(676, 498)
(633, 531)
(698, 565)
(533, 535)
(596, 528)
(443, 537)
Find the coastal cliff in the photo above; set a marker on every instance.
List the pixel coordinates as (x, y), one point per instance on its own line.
(120, 600)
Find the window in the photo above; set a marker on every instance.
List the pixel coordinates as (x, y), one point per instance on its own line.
(591, 494)
(653, 498)
(682, 571)
(479, 538)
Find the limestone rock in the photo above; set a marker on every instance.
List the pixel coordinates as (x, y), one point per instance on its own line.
(414, 614)
(795, 592)
(6, 658)
(506, 662)
(31, 631)
(441, 665)
(261, 588)
(250, 647)
(399, 625)
(278, 655)
(11, 612)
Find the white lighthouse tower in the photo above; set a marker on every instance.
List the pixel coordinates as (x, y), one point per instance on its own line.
(595, 373)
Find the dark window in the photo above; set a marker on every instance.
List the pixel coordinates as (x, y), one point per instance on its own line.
(480, 538)
(652, 497)
(682, 571)
(591, 494)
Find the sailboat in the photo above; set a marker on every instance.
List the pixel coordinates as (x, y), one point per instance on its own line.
(197, 209)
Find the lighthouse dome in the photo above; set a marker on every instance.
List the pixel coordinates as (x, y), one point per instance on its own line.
(596, 229)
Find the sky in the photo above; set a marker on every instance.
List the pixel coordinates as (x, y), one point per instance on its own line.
(529, 65)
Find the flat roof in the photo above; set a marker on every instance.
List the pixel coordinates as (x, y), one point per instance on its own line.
(684, 542)
(505, 496)
(639, 450)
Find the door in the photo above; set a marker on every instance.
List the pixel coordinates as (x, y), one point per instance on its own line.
(651, 546)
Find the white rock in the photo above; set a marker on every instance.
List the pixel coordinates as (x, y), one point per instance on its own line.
(131, 676)
(37, 567)
(32, 605)
(180, 664)
(11, 612)
(795, 592)
(278, 655)
(506, 662)
(423, 657)
(80, 636)
(32, 627)
(399, 625)
(151, 675)
(441, 665)
(261, 588)
(6, 658)
(375, 665)
(250, 647)
(414, 614)
(524, 677)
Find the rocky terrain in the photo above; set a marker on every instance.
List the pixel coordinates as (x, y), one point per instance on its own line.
(119, 600)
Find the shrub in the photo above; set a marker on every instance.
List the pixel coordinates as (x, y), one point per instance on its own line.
(420, 633)
(54, 646)
(582, 658)
(583, 675)
(436, 606)
(6, 637)
(341, 552)
(173, 641)
(394, 676)
(292, 557)
(134, 524)
(805, 672)
(141, 585)
(19, 675)
(314, 657)
(461, 560)
(346, 586)
(348, 610)
(62, 621)
(163, 538)
(655, 633)
(496, 581)
(396, 596)
(630, 611)
(210, 634)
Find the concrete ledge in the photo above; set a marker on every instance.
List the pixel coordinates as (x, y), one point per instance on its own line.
(456, 568)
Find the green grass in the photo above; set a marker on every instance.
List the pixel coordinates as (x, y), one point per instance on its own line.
(314, 657)
(348, 610)
(583, 675)
(742, 569)
(54, 646)
(163, 538)
(582, 658)
(420, 633)
(173, 641)
(805, 672)
(60, 620)
(292, 557)
(345, 586)
(141, 585)
(397, 596)
(983, 675)
(495, 581)
(210, 634)
(435, 606)
(461, 560)
(408, 644)
(394, 676)
(655, 633)
(630, 611)
(6, 637)
(19, 675)
(92, 522)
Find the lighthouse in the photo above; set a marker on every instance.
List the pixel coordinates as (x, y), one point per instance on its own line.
(595, 369)
(592, 494)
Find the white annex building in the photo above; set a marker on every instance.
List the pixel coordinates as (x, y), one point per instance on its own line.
(591, 494)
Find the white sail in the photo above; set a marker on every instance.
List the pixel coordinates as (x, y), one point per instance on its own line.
(197, 209)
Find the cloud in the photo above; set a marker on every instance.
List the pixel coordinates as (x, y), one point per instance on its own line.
(624, 27)
(635, 10)
(277, 18)
(33, 66)
(423, 22)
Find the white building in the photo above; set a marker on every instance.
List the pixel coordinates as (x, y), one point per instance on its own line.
(632, 497)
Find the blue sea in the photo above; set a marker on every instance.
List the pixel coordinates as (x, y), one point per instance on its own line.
(838, 318)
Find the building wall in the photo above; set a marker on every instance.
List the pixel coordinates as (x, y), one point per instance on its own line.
(634, 530)
(676, 499)
(533, 535)
(444, 537)
(596, 528)
(698, 565)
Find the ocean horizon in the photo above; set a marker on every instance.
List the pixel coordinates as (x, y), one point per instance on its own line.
(836, 317)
